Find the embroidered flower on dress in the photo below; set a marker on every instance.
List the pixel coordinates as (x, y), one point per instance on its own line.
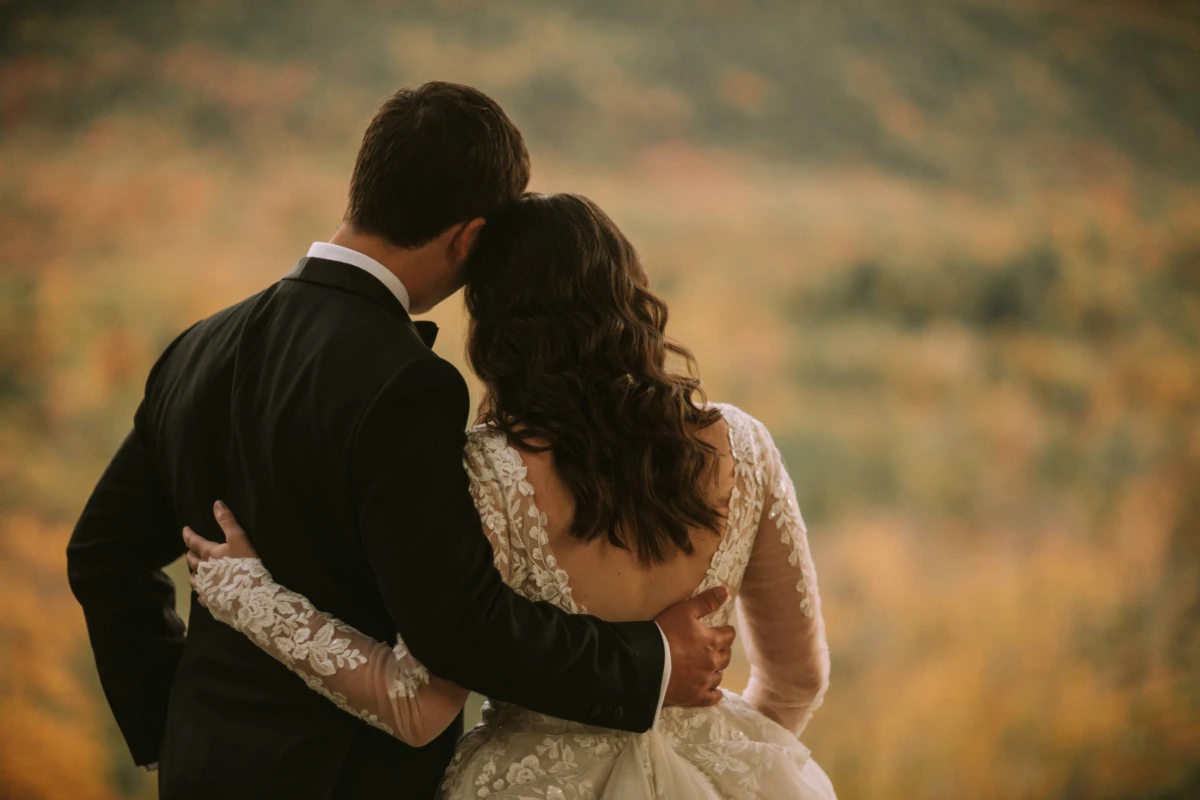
(527, 770)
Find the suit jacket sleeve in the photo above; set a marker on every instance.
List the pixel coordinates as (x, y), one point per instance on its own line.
(435, 570)
(125, 536)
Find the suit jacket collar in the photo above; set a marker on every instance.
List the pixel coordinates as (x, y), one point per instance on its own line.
(350, 278)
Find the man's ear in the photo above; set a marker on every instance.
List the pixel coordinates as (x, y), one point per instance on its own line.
(464, 239)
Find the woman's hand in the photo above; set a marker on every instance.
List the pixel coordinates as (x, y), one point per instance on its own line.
(237, 543)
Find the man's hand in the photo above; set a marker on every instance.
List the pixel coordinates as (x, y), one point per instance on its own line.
(699, 654)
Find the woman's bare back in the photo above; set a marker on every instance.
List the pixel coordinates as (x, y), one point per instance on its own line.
(610, 582)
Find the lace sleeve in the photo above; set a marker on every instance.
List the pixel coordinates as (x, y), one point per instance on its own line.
(488, 494)
(779, 608)
(383, 686)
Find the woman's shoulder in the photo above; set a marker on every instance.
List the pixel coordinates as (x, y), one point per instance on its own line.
(732, 414)
(481, 432)
(483, 441)
(490, 459)
(742, 426)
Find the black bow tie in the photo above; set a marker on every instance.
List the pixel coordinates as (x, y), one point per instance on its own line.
(427, 330)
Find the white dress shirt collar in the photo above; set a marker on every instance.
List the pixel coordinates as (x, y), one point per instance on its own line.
(335, 252)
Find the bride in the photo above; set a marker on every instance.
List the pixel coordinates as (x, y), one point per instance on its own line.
(606, 489)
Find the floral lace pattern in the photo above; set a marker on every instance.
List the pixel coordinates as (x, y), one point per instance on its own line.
(735, 742)
(516, 753)
(785, 513)
(792, 531)
(561, 756)
(515, 524)
(521, 755)
(745, 505)
(726, 751)
(241, 593)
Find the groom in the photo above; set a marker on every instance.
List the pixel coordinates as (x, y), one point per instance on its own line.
(318, 411)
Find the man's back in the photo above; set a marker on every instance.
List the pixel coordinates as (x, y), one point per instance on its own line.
(316, 413)
(258, 405)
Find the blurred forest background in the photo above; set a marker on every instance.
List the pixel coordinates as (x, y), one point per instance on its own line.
(949, 250)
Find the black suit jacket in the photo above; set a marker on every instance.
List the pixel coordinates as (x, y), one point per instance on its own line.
(316, 411)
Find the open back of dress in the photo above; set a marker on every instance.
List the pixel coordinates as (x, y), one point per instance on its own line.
(744, 747)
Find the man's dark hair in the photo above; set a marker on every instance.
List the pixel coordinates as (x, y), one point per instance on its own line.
(432, 157)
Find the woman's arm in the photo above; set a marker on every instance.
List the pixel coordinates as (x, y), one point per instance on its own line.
(779, 608)
(384, 686)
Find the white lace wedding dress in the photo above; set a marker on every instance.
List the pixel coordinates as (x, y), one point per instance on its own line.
(742, 748)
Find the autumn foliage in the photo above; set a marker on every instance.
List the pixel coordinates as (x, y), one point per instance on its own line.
(948, 250)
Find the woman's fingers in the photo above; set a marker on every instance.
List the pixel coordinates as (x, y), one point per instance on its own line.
(227, 521)
(195, 544)
(200, 547)
(236, 545)
(235, 537)
(199, 597)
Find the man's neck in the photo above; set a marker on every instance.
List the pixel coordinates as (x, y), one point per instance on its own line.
(407, 265)
(386, 254)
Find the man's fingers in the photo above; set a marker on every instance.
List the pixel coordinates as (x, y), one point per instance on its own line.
(192, 561)
(709, 601)
(723, 637)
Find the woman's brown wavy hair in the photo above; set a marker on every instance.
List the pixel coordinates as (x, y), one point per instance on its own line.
(569, 342)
